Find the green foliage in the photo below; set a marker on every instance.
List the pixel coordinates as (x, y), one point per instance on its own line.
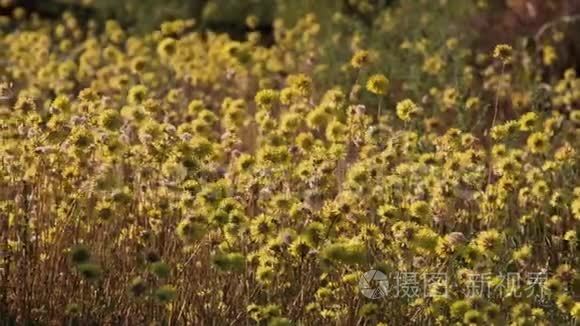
(145, 15)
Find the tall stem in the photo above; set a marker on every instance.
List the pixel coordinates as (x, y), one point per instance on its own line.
(379, 111)
(496, 110)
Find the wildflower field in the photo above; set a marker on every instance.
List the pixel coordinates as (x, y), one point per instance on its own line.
(356, 162)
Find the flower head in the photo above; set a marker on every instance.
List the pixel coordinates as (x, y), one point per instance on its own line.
(406, 110)
(503, 52)
(378, 84)
(538, 143)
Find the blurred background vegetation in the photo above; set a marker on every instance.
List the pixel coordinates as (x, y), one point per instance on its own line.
(146, 15)
(506, 19)
(384, 26)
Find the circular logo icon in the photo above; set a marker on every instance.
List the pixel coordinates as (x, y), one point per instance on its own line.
(374, 284)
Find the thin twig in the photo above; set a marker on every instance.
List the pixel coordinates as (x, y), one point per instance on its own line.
(549, 25)
(496, 109)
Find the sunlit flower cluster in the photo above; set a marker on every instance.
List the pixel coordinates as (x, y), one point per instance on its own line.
(185, 177)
